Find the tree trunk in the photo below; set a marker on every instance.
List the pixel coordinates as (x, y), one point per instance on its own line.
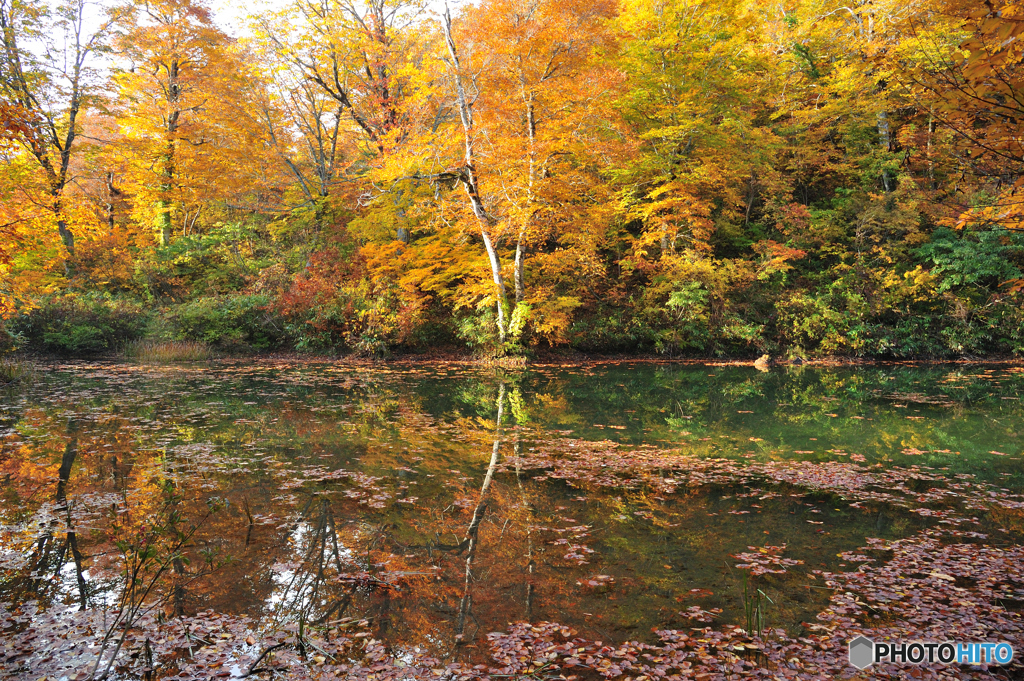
(469, 180)
(162, 222)
(111, 198)
(320, 213)
(66, 236)
(885, 141)
(931, 162)
(163, 204)
(401, 232)
(531, 132)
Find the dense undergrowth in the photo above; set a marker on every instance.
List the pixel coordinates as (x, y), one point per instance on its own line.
(946, 301)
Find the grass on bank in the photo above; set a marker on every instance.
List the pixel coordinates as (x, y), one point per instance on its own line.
(168, 351)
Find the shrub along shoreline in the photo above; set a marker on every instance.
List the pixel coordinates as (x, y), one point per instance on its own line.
(96, 324)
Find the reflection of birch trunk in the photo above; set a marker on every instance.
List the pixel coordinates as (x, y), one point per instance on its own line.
(71, 542)
(179, 586)
(76, 556)
(71, 538)
(66, 463)
(177, 564)
(339, 607)
(303, 591)
(49, 557)
(529, 530)
(473, 533)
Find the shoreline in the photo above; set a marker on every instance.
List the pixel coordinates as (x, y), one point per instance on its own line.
(544, 359)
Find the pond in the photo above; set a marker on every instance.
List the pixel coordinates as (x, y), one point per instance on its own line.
(372, 519)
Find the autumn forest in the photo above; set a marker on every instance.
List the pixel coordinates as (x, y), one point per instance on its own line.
(404, 340)
(719, 178)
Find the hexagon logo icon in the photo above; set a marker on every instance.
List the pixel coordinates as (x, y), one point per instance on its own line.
(862, 652)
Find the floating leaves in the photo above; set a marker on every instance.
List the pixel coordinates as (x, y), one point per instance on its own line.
(695, 612)
(580, 530)
(765, 560)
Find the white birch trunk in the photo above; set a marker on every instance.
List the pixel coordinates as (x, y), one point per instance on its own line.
(469, 178)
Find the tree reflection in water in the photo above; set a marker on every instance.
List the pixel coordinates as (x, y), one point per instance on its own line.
(327, 499)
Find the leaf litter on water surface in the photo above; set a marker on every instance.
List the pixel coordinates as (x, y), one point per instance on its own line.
(916, 586)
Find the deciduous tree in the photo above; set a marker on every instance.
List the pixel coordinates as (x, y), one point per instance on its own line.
(47, 80)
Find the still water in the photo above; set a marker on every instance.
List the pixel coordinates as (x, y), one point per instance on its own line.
(442, 502)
